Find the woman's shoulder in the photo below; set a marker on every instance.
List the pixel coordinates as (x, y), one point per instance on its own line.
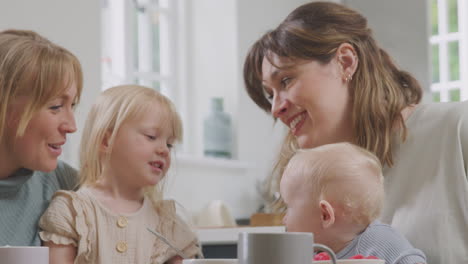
(67, 176)
(445, 108)
(63, 177)
(447, 112)
(64, 167)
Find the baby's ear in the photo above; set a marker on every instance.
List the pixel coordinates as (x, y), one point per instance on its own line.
(327, 214)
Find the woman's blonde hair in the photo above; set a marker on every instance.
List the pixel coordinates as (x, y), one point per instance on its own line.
(379, 90)
(33, 67)
(113, 107)
(347, 176)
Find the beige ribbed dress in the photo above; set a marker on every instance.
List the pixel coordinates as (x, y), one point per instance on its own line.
(102, 236)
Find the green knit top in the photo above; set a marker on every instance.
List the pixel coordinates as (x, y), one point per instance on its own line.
(24, 196)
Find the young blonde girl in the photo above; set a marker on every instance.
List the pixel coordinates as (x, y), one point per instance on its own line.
(125, 154)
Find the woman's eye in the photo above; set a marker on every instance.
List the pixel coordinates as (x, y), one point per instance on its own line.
(269, 97)
(285, 81)
(170, 145)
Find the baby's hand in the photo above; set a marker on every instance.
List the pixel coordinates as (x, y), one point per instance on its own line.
(175, 260)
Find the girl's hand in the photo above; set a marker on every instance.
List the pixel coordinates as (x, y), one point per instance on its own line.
(175, 260)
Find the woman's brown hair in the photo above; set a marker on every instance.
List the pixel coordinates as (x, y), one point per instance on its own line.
(379, 89)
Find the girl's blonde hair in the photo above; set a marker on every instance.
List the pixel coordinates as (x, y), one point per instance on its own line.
(114, 107)
(379, 90)
(347, 176)
(31, 66)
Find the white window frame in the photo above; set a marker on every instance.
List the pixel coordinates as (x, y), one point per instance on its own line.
(120, 14)
(442, 39)
(118, 50)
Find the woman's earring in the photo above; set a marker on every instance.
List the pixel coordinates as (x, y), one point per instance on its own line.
(348, 77)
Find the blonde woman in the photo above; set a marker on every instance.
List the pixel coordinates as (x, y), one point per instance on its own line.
(336, 192)
(322, 74)
(40, 83)
(125, 155)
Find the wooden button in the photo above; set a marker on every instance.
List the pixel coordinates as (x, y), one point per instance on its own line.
(122, 222)
(121, 247)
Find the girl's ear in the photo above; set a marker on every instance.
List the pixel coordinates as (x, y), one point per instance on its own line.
(327, 214)
(105, 142)
(348, 60)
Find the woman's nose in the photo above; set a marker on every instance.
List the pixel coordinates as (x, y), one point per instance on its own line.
(279, 106)
(69, 123)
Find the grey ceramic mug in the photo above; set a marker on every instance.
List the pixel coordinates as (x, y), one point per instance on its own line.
(278, 248)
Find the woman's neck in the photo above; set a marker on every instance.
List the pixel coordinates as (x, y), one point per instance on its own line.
(7, 166)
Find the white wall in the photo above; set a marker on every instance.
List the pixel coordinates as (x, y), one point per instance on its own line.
(73, 25)
(220, 34)
(402, 28)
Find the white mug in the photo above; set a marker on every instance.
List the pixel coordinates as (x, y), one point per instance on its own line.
(24, 255)
(209, 261)
(278, 248)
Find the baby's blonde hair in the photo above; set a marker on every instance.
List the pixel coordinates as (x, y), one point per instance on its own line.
(33, 67)
(113, 107)
(347, 176)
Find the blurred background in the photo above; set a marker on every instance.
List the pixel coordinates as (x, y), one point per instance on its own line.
(193, 51)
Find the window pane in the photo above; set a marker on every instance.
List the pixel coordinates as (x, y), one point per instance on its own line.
(436, 96)
(455, 95)
(453, 15)
(434, 18)
(155, 29)
(454, 60)
(156, 85)
(146, 46)
(149, 83)
(435, 64)
(134, 25)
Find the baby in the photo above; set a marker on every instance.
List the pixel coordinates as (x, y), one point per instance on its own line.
(336, 192)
